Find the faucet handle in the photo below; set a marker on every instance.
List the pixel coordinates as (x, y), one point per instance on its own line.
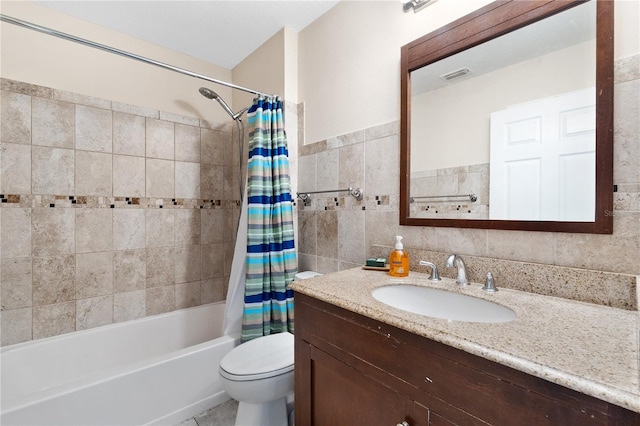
(489, 285)
(434, 270)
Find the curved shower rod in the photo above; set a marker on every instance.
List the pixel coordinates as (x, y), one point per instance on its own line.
(65, 36)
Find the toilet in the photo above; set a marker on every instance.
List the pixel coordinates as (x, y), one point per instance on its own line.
(261, 384)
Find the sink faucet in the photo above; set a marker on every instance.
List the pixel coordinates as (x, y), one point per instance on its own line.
(456, 260)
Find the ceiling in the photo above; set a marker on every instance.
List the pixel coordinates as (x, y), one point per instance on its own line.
(222, 32)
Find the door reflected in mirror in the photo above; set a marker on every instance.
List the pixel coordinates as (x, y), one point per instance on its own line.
(505, 132)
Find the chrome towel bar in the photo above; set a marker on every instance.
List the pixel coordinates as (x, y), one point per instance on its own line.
(472, 197)
(356, 193)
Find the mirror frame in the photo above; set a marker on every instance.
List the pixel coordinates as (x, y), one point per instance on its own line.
(484, 24)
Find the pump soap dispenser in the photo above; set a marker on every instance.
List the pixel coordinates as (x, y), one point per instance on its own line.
(399, 260)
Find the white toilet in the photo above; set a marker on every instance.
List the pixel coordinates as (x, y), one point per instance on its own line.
(259, 375)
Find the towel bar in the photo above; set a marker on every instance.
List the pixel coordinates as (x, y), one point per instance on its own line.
(357, 193)
(472, 197)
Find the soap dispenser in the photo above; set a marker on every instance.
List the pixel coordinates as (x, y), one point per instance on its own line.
(399, 260)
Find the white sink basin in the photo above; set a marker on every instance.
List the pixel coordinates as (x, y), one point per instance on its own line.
(442, 304)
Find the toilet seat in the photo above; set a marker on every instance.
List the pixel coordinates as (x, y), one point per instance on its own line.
(260, 358)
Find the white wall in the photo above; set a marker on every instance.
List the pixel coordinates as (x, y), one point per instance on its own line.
(349, 69)
(350, 62)
(272, 68)
(627, 28)
(291, 65)
(44, 60)
(262, 70)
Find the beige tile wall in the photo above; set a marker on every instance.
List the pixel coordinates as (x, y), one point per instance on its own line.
(439, 184)
(337, 232)
(108, 212)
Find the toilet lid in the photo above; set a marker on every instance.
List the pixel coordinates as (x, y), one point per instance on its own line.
(259, 358)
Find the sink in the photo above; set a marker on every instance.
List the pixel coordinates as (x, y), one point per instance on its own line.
(442, 304)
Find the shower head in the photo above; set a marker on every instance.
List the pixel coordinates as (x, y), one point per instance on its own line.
(210, 94)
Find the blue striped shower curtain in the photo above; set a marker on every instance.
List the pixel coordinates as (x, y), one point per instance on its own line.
(271, 257)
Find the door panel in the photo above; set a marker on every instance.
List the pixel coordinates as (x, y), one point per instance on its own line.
(553, 140)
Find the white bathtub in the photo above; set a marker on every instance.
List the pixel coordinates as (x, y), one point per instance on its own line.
(157, 370)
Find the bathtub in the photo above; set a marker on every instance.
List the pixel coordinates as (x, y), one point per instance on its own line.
(158, 370)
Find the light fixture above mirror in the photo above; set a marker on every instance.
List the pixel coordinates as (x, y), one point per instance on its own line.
(416, 5)
(448, 56)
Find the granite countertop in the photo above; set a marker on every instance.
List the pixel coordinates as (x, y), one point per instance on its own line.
(589, 348)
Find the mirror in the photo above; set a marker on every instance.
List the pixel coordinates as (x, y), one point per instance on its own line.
(506, 120)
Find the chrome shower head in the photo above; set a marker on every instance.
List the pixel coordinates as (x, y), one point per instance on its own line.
(210, 94)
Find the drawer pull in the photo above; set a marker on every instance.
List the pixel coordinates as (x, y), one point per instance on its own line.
(403, 424)
(426, 379)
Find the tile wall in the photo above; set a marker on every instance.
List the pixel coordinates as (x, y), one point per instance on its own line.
(337, 232)
(432, 190)
(109, 212)
(331, 226)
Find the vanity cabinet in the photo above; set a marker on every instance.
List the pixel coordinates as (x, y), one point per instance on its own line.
(354, 370)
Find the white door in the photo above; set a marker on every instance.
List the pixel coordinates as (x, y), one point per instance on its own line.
(543, 159)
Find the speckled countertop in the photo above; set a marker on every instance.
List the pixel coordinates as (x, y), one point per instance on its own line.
(592, 349)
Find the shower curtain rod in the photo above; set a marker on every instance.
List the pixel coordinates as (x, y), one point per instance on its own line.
(110, 49)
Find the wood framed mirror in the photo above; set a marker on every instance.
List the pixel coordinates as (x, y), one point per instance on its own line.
(441, 172)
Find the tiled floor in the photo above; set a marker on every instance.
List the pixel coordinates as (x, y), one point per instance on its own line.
(221, 415)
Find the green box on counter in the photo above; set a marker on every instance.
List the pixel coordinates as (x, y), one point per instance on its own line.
(377, 262)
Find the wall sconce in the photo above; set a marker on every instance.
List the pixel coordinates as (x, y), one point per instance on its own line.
(416, 5)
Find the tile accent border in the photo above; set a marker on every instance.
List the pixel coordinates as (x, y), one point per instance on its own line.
(320, 202)
(72, 201)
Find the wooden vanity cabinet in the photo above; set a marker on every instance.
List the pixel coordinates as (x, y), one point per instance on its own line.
(353, 370)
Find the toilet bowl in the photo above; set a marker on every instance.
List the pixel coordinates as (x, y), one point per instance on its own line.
(259, 375)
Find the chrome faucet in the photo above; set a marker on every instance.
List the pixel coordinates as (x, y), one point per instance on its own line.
(456, 260)
(434, 270)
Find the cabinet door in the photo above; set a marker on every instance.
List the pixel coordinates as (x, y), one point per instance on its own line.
(342, 395)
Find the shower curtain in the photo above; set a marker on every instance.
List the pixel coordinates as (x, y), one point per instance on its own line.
(271, 258)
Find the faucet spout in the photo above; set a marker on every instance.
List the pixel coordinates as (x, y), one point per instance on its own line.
(455, 260)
